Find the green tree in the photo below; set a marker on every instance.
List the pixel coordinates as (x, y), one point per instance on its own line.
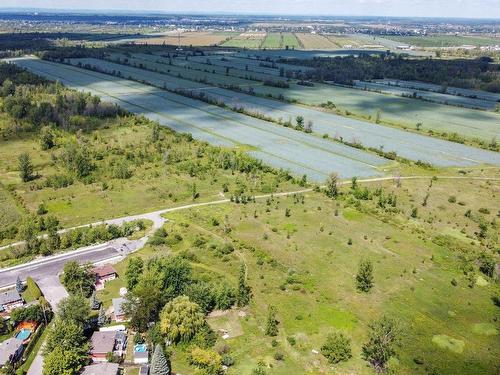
(244, 293)
(28, 231)
(25, 167)
(46, 138)
(102, 319)
(337, 348)
(94, 302)
(181, 319)
(364, 277)
(144, 302)
(67, 335)
(299, 120)
(206, 359)
(63, 362)
(74, 308)
(78, 278)
(272, 322)
(133, 272)
(160, 365)
(332, 186)
(381, 346)
(53, 241)
(33, 288)
(19, 285)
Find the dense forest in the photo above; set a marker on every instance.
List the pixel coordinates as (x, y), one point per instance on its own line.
(479, 73)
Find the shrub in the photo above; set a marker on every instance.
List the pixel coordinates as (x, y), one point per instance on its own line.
(337, 348)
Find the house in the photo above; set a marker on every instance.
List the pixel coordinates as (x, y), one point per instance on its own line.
(118, 313)
(10, 350)
(101, 369)
(101, 343)
(10, 300)
(104, 342)
(104, 274)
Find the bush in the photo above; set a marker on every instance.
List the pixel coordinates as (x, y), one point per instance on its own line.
(337, 348)
(32, 288)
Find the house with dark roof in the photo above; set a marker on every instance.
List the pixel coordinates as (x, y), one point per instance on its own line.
(101, 369)
(118, 313)
(103, 274)
(9, 300)
(11, 350)
(104, 342)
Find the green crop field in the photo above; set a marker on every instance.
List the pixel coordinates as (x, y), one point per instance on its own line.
(303, 264)
(246, 40)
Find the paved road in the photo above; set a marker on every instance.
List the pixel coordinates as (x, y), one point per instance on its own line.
(49, 266)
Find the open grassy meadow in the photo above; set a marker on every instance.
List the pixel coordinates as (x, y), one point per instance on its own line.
(250, 40)
(302, 254)
(446, 40)
(188, 38)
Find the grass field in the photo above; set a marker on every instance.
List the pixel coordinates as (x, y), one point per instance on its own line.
(446, 40)
(316, 41)
(303, 265)
(246, 40)
(280, 41)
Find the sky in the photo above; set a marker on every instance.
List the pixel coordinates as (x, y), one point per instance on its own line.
(412, 8)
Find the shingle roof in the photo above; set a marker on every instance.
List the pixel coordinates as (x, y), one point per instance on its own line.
(102, 342)
(104, 270)
(9, 296)
(101, 369)
(8, 348)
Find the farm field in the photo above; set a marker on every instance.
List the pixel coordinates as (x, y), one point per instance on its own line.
(445, 40)
(432, 116)
(344, 41)
(304, 265)
(312, 156)
(246, 40)
(432, 96)
(409, 145)
(271, 68)
(479, 94)
(189, 38)
(280, 41)
(315, 41)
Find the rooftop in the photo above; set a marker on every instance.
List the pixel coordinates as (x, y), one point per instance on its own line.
(9, 296)
(105, 270)
(102, 342)
(101, 369)
(9, 348)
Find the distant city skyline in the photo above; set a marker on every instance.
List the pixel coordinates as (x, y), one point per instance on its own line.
(392, 8)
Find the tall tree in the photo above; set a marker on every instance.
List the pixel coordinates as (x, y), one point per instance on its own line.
(383, 339)
(364, 277)
(78, 278)
(19, 285)
(244, 293)
(102, 319)
(332, 186)
(94, 302)
(74, 308)
(337, 348)
(272, 323)
(181, 319)
(25, 167)
(160, 365)
(133, 272)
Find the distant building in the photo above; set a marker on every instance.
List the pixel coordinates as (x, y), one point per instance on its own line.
(104, 274)
(10, 300)
(10, 350)
(101, 369)
(118, 312)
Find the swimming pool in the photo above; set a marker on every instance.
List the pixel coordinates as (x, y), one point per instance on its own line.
(23, 334)
(140, 348)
